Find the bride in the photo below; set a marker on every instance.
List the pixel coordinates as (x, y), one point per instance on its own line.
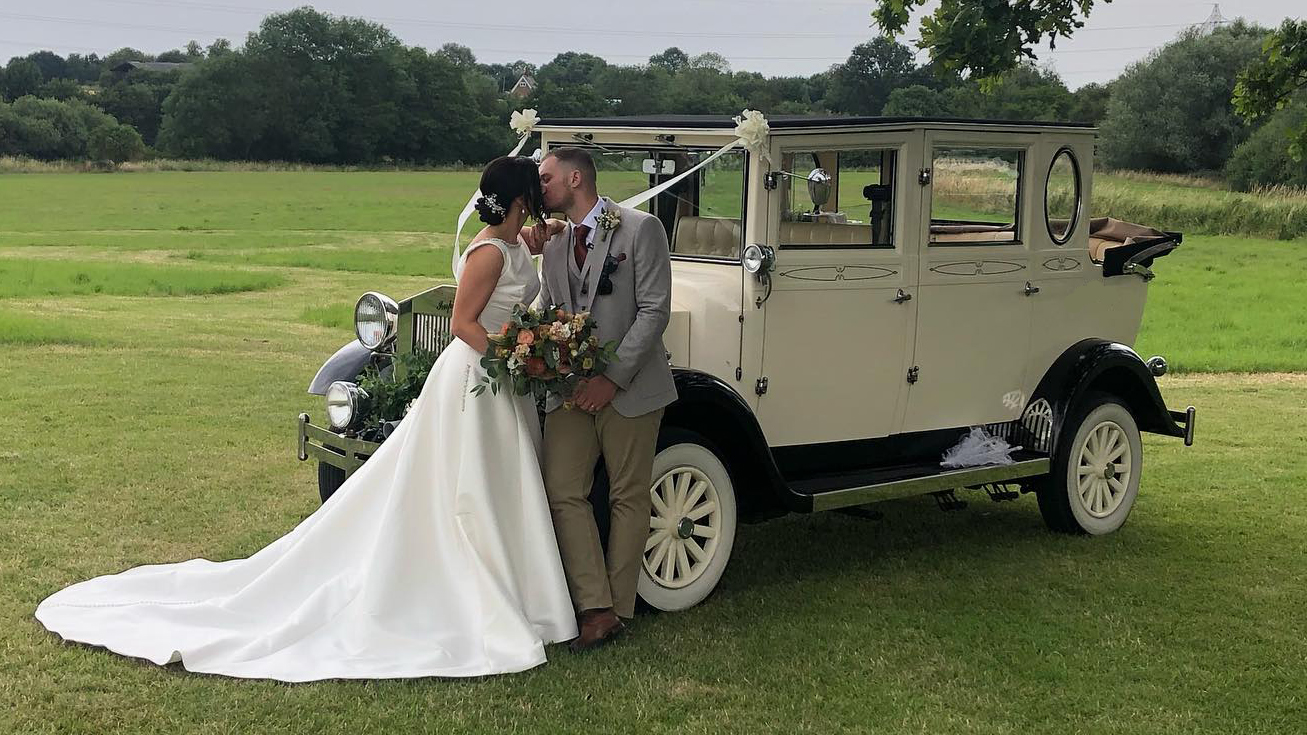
(436, 558)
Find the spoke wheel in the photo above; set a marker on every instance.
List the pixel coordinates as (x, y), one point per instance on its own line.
(691, 524)
(1096, 469)
(1103, 470)
(683, 528)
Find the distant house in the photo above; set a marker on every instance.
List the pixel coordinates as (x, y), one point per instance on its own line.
(525, 87)
(128, 67)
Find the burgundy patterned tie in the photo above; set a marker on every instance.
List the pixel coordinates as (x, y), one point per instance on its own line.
(579, 247)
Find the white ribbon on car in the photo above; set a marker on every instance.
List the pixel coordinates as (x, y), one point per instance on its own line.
(523, 123)
(751, 127)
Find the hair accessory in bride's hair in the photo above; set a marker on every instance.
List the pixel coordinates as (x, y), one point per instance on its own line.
(491, 203)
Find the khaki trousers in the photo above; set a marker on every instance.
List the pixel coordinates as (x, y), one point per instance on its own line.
(573, 442)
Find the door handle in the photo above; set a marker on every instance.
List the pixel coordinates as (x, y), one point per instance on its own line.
(902, 297)
(1031, 290)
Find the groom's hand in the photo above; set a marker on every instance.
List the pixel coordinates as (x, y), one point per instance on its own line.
(596, 393)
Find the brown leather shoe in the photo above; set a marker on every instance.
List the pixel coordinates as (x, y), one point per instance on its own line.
(597, 628)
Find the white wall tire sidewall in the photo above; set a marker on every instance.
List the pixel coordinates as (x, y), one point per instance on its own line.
(701, 458)
(1120, 415)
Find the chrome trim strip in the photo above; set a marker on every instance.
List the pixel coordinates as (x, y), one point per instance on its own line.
(934, 483)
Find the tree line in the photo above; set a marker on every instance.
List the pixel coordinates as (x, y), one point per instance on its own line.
(311, 87)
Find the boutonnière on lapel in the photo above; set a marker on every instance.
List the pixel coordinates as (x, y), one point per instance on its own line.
(609, 219)
(605, 275)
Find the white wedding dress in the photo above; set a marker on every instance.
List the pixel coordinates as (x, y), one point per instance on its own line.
(436, 558)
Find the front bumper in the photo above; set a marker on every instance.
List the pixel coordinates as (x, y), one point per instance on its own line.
(331, 448)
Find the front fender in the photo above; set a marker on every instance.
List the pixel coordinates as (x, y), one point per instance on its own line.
(708, 406)
(346, 364)
(1110, 367)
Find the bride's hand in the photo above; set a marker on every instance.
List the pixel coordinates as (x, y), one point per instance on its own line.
(555, 226)
(535, 237)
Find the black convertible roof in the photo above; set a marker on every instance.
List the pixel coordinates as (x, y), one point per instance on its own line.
(780, 122)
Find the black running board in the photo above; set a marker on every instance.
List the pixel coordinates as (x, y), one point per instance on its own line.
(922, 484)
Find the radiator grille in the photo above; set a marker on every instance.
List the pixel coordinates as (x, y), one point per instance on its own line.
(431, 332)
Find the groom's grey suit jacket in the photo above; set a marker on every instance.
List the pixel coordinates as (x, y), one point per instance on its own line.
(635, 314)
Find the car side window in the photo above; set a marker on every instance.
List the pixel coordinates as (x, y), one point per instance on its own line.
(839, 198)
(1062, 196)
(706, 209)
(975, 194)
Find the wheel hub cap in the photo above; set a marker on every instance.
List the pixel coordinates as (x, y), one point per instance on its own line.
(685, 529)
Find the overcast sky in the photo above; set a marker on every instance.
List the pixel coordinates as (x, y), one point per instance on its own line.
(775, 37)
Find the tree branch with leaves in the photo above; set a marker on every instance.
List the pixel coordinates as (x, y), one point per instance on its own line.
(985, 38)
(1270, 82)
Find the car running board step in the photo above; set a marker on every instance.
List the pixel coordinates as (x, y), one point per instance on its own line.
(938, 480)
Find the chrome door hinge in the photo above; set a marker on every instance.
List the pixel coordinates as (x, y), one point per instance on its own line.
(739, 373)
(923, 178)
(760, 387)
(913, 373)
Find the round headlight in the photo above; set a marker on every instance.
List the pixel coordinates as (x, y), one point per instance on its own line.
(376, 319)
(753, 258)
(344, 401)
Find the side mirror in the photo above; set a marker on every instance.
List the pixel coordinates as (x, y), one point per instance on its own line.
(819, 187)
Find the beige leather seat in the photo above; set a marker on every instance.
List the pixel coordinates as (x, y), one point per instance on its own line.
(824, 233)
(972, 233)
(718, 237)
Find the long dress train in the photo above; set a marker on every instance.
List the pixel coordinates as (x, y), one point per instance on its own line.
(436, 558)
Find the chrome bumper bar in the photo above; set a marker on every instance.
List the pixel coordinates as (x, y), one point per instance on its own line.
(331, 448)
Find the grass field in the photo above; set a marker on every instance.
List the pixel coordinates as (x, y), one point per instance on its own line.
(142, 426)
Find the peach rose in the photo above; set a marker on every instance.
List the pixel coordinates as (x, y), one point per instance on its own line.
(526, 337)
(504, 329)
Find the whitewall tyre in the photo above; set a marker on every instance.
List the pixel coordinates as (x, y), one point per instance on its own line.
(691, 525)
(1094, 479)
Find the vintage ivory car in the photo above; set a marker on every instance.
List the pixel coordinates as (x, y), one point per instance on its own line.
(844, 311)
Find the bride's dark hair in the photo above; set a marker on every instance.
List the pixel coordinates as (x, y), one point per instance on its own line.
(505, 179)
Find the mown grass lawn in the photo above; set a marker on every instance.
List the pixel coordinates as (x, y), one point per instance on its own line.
(146, 428)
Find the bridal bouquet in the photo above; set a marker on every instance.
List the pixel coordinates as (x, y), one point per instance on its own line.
(544, 351)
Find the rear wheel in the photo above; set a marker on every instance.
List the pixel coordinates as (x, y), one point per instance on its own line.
(1094, 478)
(330, 478)
(692, 523)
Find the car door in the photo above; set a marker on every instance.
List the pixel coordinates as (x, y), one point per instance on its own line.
(839, 317)
(973, 294)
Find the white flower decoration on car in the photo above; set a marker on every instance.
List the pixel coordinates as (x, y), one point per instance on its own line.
(752, 127)
(524, 121)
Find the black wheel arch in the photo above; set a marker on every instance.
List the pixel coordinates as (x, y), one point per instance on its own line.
(709, 406)
(1102, 366)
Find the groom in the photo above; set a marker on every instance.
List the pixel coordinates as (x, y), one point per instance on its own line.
(614, 263)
